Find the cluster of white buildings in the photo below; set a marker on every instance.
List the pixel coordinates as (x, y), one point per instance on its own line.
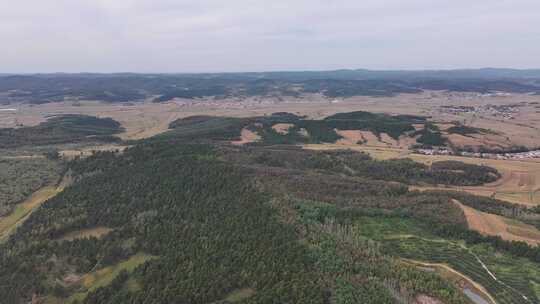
(513, 156)
(504, 111)
(434, 151)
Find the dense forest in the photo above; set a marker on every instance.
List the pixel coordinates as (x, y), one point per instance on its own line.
(61, 129)
(186, 217)
(316, 131)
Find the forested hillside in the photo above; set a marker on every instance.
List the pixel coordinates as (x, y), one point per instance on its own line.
(20, 177)
(186, 217)
(46, 88)
(61, 129)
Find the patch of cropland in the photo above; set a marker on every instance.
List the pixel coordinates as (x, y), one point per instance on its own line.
(187, 217)
(21, 177)
(61, 129)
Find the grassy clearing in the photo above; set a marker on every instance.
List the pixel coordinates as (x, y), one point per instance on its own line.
(96, 232)
(105, 276)
(526, 197)
(380, 228)
(380, 153)
(239, 295)
(9, 223)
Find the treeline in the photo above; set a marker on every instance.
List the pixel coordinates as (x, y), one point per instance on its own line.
(360, 164)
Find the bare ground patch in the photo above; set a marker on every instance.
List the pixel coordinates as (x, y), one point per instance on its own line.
(246, 136)
(350, 137)
(282, 128)
(495, 225)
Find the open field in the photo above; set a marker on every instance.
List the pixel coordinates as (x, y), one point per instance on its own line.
(282, 128)
(146, 119)
(495, 225)
(246, 137)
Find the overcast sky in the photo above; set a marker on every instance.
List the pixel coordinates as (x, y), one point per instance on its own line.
(244, 35)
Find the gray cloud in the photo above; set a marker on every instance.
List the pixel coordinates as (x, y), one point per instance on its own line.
(246, 35)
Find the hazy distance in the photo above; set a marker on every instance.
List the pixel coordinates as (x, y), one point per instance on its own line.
(241, 35)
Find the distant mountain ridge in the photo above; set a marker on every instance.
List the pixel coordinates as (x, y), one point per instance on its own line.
(491, 73)
(126, 87)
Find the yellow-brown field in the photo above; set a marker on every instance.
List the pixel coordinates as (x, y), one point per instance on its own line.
(495, 225)
(147, 119)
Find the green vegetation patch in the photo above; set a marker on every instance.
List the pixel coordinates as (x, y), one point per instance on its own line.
(62, 129)
(353, 266)
(202, 128)
(20, 177)
(467, 130)
(506, 289)
(104, 277)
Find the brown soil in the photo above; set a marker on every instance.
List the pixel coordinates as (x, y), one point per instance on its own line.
(479, 140)
(385, 138)
(71, 279)
(349, 137)
(372, 140)
(495, 225)
(282, 128)
(406, 141)
(247, 136)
